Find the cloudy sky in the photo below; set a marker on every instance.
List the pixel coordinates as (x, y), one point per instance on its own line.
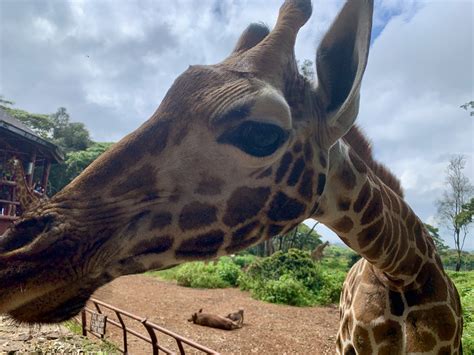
(110, 64)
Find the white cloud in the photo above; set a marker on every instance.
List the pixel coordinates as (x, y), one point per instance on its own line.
(419, 72)
(110, 63)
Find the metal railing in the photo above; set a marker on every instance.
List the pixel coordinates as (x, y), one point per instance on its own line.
(150, 327)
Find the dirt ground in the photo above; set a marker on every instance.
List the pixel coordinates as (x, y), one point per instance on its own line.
(268, 328)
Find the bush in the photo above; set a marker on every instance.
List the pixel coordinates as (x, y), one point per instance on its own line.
(285, 290)
(244, 260)
(228, 271)
(221, 274)
(332, 286)
(291, 278)
(199, 275)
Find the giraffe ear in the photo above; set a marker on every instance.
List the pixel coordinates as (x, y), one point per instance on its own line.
(252, 35)
(341, 60)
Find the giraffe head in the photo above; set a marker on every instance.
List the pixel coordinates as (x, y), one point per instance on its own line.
(236, 152)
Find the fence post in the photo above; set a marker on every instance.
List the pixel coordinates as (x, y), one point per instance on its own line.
(84, 322)
(151, 332)
(124, 331)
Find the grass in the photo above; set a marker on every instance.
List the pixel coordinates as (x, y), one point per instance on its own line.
(464, 281)
(298, 284)
(103, 347)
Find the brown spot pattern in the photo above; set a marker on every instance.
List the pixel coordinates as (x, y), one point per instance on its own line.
(297, 147)
(346, 176)
(209, 186)
(367, 235)
(389, 332)
(344, 204)
(296, 172)
(284, 208)
(141, 180)
(265, 173)
(323, 160)
(321, 184)
(155, 245)
(357, 162)
(161, 220)
(240, 238)
(306, 186)
(283, 168)
(361, 340)
(374, 209)
(396, 303)
(196, 215)
(343, 225)
(203, 246)
(245, 203)
(363, 198)
(308, 152)
(439, 320)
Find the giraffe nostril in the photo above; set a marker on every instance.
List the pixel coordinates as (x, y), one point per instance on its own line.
(24, 233)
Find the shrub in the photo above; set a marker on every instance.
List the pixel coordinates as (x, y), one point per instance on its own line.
(228, 271)
(244, 260)
(285, 290)
(331, 287)
(199, 275)
(292, 278)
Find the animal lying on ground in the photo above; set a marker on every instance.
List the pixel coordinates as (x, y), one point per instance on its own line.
(213, 321)
(237, 317)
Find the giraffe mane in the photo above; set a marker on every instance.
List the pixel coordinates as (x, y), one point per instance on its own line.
(361, 145)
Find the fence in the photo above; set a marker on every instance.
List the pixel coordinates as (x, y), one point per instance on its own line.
(99, 321)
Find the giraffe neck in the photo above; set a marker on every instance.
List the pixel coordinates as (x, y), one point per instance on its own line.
(25, 194)
(372, 219)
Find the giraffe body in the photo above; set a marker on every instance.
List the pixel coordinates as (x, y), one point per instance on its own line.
(318, 252)
(236, 153)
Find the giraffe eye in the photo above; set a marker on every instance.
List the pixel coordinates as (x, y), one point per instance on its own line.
(255, 138)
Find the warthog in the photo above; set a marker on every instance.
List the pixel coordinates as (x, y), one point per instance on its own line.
(213, 321)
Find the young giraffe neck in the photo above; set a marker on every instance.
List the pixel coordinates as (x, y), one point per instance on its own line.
(25, 194)
(372, 219)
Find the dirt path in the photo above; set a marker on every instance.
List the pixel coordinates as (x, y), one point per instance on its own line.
(268, 328)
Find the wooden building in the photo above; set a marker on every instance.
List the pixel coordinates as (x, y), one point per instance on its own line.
(36, 155)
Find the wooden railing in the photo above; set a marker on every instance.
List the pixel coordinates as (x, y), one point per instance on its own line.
(98, 322)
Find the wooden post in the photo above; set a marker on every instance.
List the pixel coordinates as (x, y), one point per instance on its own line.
(31, 173)
(46, 170)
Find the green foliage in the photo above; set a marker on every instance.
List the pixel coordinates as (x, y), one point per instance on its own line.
(285, 290)
(292, 278)
(302, 237)
(244, 260)
(39, 123)
(464, 217)
(434, 234)
(450, 260)
(464, 282)
(331, 281)
(339, 258)
(76, 162)
(221, 274)
(70, 136)
(200, 275)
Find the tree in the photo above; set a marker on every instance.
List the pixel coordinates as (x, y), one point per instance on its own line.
(307, 70)
(434, 234)
(75, 163)
(459, 191)
(39, 123)
(70, 136)
(468, 105)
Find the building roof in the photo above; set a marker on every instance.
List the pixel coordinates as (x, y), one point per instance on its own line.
(20, 130)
